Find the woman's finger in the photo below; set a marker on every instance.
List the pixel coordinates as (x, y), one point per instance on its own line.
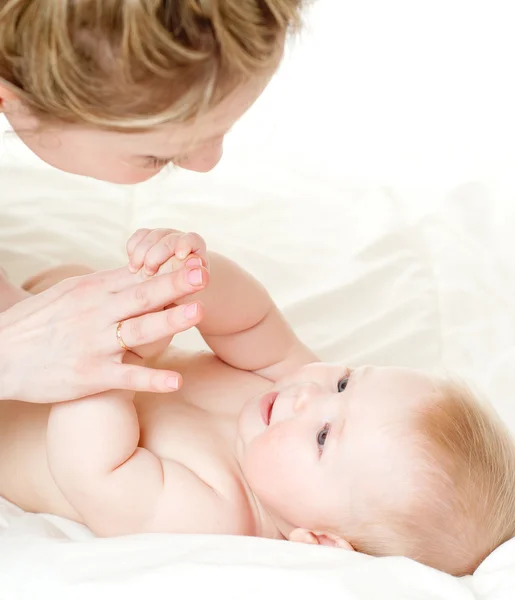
(142, 379)
(152, 327)
(119, 279)
(158, 292)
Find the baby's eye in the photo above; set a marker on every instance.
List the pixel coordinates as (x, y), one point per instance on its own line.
(322, 436)
(342, 384)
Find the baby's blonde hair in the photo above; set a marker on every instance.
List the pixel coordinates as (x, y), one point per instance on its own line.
(463, 506)
(133, 64)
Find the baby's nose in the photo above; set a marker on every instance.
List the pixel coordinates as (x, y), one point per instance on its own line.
(304, 394)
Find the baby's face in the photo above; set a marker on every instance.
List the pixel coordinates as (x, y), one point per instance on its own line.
(327, 442)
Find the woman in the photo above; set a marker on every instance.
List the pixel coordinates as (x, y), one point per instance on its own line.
(116, 90)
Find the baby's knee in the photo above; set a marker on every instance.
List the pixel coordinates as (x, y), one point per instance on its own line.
(50, 277)
(9, 293)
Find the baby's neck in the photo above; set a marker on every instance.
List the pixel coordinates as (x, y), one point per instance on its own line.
(268, 525)
(265, 524)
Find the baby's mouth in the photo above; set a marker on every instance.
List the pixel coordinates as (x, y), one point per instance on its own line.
(266, 406)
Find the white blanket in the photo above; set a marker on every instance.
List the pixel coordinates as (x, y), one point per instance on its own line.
(420, 275)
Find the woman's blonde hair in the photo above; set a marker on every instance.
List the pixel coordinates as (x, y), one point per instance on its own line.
(136, 63)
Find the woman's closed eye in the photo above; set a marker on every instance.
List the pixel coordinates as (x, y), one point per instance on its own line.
(152, 162)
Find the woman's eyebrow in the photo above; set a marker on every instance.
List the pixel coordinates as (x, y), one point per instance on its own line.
(157, 157)
(212, 138)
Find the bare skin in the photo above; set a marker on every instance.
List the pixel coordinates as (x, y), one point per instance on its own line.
(260, 440)
(80, 337)
(196, 426)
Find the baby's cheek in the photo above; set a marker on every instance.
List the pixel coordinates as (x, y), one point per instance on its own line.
(273, 467)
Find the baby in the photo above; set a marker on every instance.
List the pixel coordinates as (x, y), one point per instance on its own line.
(264, 440)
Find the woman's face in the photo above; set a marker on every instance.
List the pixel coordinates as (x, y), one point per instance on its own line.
(133, 157)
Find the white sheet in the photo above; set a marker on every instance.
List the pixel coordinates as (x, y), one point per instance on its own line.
(421, 275)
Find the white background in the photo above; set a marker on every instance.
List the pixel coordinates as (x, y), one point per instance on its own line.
(371, 190)
(399, 90)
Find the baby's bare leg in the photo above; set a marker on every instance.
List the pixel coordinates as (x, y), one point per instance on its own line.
(9, 293)
(49, 277)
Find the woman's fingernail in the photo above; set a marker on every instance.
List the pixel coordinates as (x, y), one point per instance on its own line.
(191, 310)
(194, 262)
(195, 277)
(132, 268)
(172, 383)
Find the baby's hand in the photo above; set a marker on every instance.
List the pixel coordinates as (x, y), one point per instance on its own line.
(150, 249)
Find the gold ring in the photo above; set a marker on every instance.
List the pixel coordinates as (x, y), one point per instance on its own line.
(119, 336)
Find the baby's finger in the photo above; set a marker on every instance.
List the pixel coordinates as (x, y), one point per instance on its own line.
(135, 239)
(137, 257)
(190, 243)
(161, 252)
(143, 379)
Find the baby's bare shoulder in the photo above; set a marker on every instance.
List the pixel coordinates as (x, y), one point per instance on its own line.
(199, 368)
(185, 360)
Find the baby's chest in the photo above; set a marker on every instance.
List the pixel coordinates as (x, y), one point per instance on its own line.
(197, 426)
(196, 439)
(202, 442)
(177, 431)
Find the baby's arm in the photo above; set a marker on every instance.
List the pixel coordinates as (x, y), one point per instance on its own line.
(93, 455)
(241, 323)
(116, 487)
(244, 327)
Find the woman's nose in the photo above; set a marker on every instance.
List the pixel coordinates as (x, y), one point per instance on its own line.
(203, 159)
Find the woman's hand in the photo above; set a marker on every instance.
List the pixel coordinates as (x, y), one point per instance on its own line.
(62, 344)
(160, 251)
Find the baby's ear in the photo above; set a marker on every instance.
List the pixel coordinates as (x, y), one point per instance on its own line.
(323, 538)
